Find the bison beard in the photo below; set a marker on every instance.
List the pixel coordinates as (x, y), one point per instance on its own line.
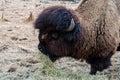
(62, 33)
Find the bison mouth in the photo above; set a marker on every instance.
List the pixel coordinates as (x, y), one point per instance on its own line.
(42, 47)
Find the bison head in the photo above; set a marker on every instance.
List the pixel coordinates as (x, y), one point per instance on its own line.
(54, 24)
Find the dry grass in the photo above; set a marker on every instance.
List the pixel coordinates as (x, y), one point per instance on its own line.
(2, 18)
(49, 71)
(30, 18)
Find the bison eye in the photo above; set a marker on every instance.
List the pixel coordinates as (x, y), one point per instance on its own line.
(55, 36)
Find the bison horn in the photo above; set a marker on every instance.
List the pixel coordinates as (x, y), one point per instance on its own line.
(72, 25)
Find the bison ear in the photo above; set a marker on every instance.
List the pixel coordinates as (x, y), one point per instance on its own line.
(72, 25)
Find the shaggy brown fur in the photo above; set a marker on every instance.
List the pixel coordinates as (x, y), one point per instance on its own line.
(118, 7)
(94, 38)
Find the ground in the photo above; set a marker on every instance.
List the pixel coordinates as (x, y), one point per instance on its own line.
(18, 41)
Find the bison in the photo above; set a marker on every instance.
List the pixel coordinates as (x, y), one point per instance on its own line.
(90, 32)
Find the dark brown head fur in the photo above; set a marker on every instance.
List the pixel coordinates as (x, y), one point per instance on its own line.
(55, 18)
